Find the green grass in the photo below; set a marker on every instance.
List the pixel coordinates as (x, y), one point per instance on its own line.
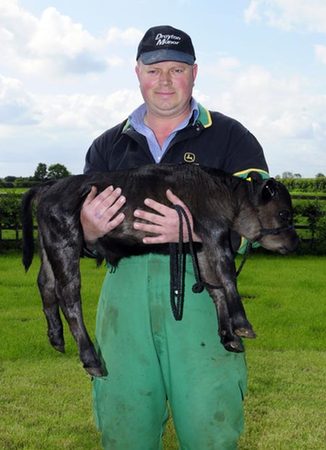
(14, 190)
(307, 193)
(285, 405)
(45, 397)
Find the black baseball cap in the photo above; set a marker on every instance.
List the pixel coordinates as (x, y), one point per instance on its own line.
(165, 43)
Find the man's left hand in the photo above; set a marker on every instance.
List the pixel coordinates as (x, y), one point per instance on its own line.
(163, 221)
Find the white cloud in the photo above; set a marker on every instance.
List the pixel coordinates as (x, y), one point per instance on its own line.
(58, 34)
(63, 44)
(43, 117)
(320, 52)
(279, 111)
(284, 113)
(61, 86)
(59, 113)
(289, 14)
(115, 61)
(130, 36)
(222, 66)
(92, 113)
(52, 43)
(55, 44)
(274, 105)
(54, 128)
(289, 114)
(17, 107)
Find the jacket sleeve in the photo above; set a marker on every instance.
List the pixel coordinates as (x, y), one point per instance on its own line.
(98, 155)
(94, 161)
(244, 153)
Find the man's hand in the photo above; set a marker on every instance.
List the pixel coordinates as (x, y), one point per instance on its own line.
(98, 210)
(163, 222)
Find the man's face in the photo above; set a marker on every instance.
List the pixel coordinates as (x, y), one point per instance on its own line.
(166, 86)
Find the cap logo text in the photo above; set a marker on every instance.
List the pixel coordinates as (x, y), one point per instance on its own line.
(167, 39)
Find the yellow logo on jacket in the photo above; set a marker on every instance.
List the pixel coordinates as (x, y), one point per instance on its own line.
(189, 157)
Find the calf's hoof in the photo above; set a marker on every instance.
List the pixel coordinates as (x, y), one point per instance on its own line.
(245, 332)
(95, 371)
(92, 363)
(235, 346)
(59, 348)
(57, 342)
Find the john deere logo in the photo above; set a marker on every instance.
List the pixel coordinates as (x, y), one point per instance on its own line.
(189, 157)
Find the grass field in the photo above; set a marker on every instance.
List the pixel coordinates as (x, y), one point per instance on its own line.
(45, 397)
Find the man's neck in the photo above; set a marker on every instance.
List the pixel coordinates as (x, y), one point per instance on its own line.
(163, 126)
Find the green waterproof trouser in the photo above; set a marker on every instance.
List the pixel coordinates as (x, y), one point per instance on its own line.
(153, 359)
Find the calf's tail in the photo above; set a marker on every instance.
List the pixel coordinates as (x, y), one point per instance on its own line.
(27, 227)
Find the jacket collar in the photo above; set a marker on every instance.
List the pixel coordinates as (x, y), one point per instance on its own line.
(204, 119)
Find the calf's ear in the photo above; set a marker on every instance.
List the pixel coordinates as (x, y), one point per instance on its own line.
(255, 183)
(269, 190)
(255, 177)
(261, 191)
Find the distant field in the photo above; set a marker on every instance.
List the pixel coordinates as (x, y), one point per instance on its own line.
(45, 397)
(12, 190)
(308, 194)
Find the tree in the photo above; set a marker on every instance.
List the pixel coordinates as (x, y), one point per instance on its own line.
(10, 179)
(287, 175)
(56, 171)
(10, 212)
(320, 175)
(41, 172)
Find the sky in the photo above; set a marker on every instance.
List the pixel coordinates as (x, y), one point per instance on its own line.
(67, 74)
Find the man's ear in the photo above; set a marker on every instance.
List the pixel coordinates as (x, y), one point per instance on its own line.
(137, 70)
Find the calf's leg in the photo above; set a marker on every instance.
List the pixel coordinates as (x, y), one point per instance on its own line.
(62, 248)
(70, 303)
(229, 339)
(46, 284)
(226, 271)
(217, 261)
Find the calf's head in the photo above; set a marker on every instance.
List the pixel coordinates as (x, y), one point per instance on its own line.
(273, 227)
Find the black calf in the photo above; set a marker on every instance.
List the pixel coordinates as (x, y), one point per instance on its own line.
(258, 210)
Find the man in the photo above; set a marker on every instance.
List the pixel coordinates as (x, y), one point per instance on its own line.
(152, 360)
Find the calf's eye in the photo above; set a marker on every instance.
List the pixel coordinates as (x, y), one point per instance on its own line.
(285, 215)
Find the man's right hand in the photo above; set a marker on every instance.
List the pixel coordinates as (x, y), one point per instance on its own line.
(97, 212)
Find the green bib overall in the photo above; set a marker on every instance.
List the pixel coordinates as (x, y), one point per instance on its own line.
(153, 359)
